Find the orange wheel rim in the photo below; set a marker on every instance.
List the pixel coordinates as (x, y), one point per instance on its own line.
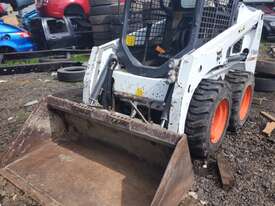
(245, 104)
(219, 121)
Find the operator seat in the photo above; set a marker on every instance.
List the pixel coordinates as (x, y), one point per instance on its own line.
(182, 24)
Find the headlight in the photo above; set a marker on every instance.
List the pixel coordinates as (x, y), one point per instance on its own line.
(272, 23)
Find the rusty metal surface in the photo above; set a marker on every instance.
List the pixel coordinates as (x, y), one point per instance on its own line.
(71, 154)
(35, 132)
(177, 179)
(116, 120)
(77, 175)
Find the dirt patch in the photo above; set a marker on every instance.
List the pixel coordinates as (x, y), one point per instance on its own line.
(10, 195)
(15, 92)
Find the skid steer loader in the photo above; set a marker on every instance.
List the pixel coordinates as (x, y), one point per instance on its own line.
(180, 67)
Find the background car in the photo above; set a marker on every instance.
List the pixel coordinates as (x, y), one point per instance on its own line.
(269, 27)
(268, 7)
(58, 9)
(14, 39)
(28, 17)
(66, 32)
(104, 16)
(18, 4)
(2, 10)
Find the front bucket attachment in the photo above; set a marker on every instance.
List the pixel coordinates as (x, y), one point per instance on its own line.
(70, 154)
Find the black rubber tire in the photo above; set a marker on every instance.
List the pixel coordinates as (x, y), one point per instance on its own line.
(266, 67)
(100, 2)
(117, 19)
(71, 74)
(102, 36)
(101, 28)
(201, 110)
(74, 10)
(105, 19)
(264, 33)
(106, 23)
(239, 82)
(107, 28)
(100, 19)
(113, 9)
(264, 83)
(116, 28)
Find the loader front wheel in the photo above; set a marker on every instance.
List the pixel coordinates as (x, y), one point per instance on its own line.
(208, 117)
(242, 84)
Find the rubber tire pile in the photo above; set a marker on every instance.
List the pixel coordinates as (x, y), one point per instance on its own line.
(71, 74)
(265, 76)
(106, 20)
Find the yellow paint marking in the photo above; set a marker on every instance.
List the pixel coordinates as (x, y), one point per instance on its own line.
(130, 40)
(139, 92)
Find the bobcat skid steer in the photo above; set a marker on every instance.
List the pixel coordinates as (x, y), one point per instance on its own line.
(180, 67)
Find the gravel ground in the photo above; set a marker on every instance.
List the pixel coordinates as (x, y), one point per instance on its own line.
(250, 154)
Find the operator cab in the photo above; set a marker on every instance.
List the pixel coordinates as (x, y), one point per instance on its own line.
(155, 31)
(159, 31)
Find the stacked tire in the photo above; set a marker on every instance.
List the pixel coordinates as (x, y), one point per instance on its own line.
(265, 76)
(106, 20)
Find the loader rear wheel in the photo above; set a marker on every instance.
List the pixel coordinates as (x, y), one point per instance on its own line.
(208, 117)
(242, 84)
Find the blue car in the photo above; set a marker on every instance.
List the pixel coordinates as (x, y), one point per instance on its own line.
(14, 39)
